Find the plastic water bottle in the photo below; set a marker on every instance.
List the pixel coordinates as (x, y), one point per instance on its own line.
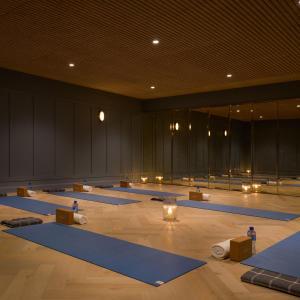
(75, 207)
(198, 189)
(251, 233)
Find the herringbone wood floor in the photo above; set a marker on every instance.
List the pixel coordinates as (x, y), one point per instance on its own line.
(32, 272)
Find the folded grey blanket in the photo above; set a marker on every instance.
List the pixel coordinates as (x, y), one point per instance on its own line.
(21, 222)
(273, 280)
(104, 186)
(54, 190)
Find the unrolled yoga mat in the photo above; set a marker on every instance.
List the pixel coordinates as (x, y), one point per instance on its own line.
(283, 257)
(275, 215)
(146, 192)
(96, 198)
(39, 207)
(146, 264)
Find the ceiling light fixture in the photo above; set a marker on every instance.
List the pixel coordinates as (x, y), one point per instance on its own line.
(225, 132)
(298, 105)
(237, 110)
(155, 42)
(229, 75)
(71, 65)
(152, 87)
(260, 117)
(101, 115)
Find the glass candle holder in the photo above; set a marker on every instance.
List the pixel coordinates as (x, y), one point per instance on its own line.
(170, 210)
(246, 188)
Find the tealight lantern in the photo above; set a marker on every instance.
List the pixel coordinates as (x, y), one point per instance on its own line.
(246, 188)
(159, 178)
(256, 187)
(169, 209)
(144, 179)
(248, 171)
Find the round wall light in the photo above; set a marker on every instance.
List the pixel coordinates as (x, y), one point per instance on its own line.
(225, 132)
(101, 115)
(176, 126)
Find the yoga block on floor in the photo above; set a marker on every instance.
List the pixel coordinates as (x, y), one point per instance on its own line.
(78, 187)
(125, 184)
(22, 192)
(196, 196)
(64, 216)
(240, 248)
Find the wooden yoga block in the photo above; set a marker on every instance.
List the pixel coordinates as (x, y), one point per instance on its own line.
(78, 187)
(64, 216)
(196, 196)
(240, 248)
(22, 192)
(125, 184)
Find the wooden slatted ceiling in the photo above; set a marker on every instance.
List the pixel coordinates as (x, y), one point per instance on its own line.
(258, 41)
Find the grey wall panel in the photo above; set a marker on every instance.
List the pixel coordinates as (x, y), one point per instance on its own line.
(126, 143)
(148, 143)
(21, 135)
(99, 145)
(4, 134)
(113, 143)
(64, 130)
(82, 140)
(137, 145)
(159, 142)
(167, 144)
(44, 137)
(265, 159)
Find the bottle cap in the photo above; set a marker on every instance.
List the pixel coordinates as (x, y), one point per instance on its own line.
(251, 228)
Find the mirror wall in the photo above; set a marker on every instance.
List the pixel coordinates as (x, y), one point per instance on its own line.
(253, 147)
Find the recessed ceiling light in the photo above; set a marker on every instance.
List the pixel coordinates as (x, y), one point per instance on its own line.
(152, 87)
(229, 75)
(71, 65)
(260, 117)
(251, 110)
(298, 105)
(237, 110)
(155, 42)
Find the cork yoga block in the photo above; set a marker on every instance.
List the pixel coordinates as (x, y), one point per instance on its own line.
(125, 184)
(78, 187)
(64, 216)
(240, 248)
(196, 196)
(22, 192)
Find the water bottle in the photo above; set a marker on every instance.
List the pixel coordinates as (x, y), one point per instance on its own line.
(251, 233)
(75, 206)
(198, 189)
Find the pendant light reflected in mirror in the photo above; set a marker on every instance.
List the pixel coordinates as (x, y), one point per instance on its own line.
(101, 116)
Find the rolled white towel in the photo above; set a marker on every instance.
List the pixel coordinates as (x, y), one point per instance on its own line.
(80, 219)
(221, 250)
(87, 188)
(31, 193)
(205, 196)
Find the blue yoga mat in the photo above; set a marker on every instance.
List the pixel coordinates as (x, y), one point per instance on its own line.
(146, 264)
(39, 207)
(96, 198)
(282, 257)
(275, 215)
(146, 192)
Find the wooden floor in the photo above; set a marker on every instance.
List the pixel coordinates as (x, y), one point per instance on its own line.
(31, 272)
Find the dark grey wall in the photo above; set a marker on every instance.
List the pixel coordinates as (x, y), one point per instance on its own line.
(50, 133)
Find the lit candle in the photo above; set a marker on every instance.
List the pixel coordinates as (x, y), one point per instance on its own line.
(159, 178)
(246, 188)
(144, 179)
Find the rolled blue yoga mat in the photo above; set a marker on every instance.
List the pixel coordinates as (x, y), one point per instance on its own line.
(143, 263)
